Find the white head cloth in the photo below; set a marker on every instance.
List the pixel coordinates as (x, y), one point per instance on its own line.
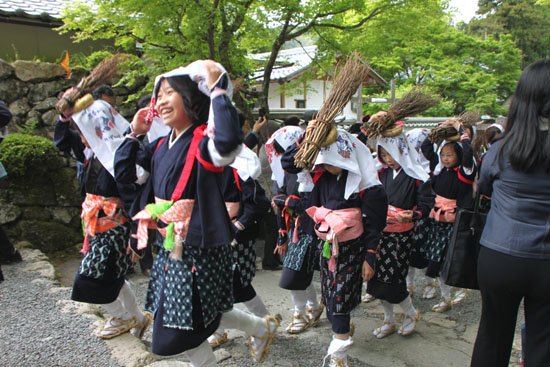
(348, 153)
(103, 127)
(498, 126)
(285, 137)
(196, 72)
(247, 164)
(402, 153)
(415, 138)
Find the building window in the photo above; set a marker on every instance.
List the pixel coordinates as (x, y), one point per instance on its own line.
(300, 103)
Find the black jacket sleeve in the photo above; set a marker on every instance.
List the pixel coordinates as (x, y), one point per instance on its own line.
(374, 206)
(68, 141)
(427, 148)
(251, 140)
(5, 114)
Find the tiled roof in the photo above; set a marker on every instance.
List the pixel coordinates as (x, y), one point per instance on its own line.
(44, 9)
(289, 62)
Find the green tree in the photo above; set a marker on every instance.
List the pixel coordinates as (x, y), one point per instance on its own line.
(172, 33)
(527, 21)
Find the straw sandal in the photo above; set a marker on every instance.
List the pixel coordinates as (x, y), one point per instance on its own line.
(217, 339)
(351, 328)
(140, 329)
(114, 327)
(429, 290)
(368, 298)
(409, 324)
(314, 316)
(260, 352)
(338, 362)
(298, 324)
(460, 296)
(411, 289)
(387, 328)
(442, 306)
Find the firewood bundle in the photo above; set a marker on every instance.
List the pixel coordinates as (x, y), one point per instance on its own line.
(102, 73)
(324, 133)
(412, 103)
(449, 133)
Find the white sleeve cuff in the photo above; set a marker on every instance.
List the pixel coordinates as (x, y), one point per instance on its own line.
(218, 159)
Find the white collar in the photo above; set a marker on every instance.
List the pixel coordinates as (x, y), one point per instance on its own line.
(172, 141)
(395, 173)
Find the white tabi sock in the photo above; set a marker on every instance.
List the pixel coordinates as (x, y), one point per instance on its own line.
(299, 300)
(201, 356)
(115, 309)
(338, 348)
(408, 307)
(388, 311)
(410, 276)
(129, 301)
(256, 306)
(445, 290)
(311, 297)
(240, 320)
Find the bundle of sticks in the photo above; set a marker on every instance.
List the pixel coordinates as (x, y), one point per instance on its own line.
(348, 80)
(104, 71)
(412, 103)
(449, 133)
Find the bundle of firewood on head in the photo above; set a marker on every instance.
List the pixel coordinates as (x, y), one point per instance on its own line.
(78, 98)
(412, 103)
(445, 131)
(321, 132)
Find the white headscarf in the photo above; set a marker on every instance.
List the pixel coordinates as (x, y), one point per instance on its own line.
(196, 72)
(402, 153)
(348, 153)
(103, 127)
(440, 165)
(285, 137)
(415, 138)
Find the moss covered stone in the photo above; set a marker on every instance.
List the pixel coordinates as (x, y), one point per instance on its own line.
(28, 157)
(48, 236)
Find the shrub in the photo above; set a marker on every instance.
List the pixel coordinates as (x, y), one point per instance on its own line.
(28, 156)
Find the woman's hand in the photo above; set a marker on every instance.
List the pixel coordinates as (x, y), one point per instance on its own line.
(404, 216)
(139, 123)
(367, 272)
(213, 72)
(452, 122)
(259, 124)
(380, 115)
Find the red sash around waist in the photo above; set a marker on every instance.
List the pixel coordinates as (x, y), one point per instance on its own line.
(444, 209)
(393, 225)
(337, 225)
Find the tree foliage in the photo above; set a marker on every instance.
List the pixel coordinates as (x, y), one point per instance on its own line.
(526, 21)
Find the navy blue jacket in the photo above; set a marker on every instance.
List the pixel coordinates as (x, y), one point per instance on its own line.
(209, 225)
(518, 222)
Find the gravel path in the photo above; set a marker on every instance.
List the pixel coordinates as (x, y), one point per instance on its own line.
(34, 331)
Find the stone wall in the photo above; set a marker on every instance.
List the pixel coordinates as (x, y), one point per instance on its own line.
(31, 89)
(43, 209)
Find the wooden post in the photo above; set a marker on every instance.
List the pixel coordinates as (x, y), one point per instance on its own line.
(392, 90)
(359, 103)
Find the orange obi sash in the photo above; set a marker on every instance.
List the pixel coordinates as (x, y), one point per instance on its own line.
(92, 224)
(393, 225)
(176, 214)
(444, 209)
(337, 225)
(232, 209)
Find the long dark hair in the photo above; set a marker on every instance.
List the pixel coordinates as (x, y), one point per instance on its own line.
(195, 103)
(525, 144)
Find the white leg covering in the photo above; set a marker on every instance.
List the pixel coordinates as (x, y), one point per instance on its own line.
(311, 297)
(201, 356)
(129, 301)
(240, 320)
(256, 306)
(408, 307)
(410, 276)
(445, 290)
(115, 309)
(299, 300)
(388, 311)
(338, 348)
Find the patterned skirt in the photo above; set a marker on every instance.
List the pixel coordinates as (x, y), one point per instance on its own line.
(341, 290)
(206, 271)
(418, 250)
(436, 246)
(392, 265)
(101, 272)
(244, 261)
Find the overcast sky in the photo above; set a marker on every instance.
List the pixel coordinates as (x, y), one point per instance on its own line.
(466, 9)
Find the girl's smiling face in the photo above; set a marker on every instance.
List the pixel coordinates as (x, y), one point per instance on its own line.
(170, 107)
(448, 156)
